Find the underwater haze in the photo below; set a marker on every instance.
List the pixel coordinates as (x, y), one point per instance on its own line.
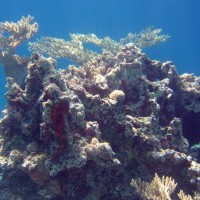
(115, 18)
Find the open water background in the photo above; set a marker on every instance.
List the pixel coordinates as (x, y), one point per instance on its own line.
(114, 18)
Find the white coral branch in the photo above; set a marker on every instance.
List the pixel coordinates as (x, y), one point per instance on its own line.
(75, 51)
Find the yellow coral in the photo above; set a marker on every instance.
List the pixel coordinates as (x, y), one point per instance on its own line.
(75, 51)
(14, 65)
(160, 189)
(18, 32)
(183, 196)
(157, 189)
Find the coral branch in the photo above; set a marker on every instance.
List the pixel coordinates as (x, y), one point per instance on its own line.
(11, 35)
(145, 38)
(75, 51)
(59, 48)
(157, 189)
(17, 32)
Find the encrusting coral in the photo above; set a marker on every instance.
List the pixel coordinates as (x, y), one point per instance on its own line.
(87, 132)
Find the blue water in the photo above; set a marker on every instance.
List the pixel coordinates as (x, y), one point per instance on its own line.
(115, 18)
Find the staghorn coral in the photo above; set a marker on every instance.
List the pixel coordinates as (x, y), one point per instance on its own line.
(11, 35)
(160, 188)
(20, 31)
(75, 51)
(183, 196)
(146, 38)
(157, 189)
(56, 48)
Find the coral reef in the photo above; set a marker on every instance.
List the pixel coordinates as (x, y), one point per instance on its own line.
(88, 132)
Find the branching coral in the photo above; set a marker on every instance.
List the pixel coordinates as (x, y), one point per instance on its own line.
(75, 51)
(11, 35)
(56, 48)
(183, 196)
(160, 188)
(156, 189)
(17, 33)
(145, 38)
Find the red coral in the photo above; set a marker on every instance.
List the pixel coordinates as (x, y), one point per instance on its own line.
(58, 114)
(18, 102)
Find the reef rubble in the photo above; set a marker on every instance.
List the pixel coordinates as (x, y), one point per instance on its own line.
(86, 132)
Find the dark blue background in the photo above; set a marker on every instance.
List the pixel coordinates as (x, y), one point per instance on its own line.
(115, 18)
